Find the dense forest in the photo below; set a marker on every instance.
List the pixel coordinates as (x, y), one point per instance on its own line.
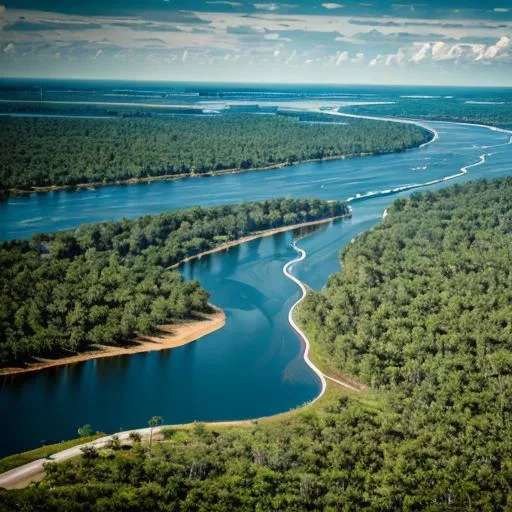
(64, 151)
(497, 114)
(103, 283)
(422, 312)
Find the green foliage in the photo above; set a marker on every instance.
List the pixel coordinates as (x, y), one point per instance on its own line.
(104, 283)
(45, 452)
(85, 431)
(499, 114)
(60, 151)
(155, 421)
(422, 311)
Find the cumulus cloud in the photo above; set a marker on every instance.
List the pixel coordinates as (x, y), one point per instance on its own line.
(273, 6)
(291, 57)
(358, 58)
(421, 53)
(342, 57)
(332, 5)
(9, 49)
(441, 51)
(493, 50)
(396, 58)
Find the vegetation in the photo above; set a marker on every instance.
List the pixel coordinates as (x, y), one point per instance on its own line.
(104, 283)
(421, 312)
(155, 421)
(44, 452)
(64, 151)
(498, 114)
(85, 430)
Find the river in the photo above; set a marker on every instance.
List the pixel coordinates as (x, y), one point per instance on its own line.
(253, 366)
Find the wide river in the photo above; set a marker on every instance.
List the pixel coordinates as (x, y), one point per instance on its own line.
(252, 367)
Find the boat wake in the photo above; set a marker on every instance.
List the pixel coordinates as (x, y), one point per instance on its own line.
(463, 170)
(322, 376)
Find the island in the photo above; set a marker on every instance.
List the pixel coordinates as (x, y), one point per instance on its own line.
(74, 295)
(421, 313)
(52, 152)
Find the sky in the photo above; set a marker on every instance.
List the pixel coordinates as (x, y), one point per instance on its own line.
(429, 42)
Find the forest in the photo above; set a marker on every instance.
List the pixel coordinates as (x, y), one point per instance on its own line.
(66, 151)
(422, 313)
(497, 114)
(104, 283)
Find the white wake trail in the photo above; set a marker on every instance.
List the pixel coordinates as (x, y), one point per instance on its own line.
(300, 332)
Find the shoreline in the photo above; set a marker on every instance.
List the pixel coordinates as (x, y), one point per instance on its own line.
(259, 234)
(171, 336)
(24, 475)
(208, 174)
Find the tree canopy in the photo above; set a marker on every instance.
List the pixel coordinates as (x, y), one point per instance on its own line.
(422, 312)
(443, 109)
(104, 283)
(67, 151)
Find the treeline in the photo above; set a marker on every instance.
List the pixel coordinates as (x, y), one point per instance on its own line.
(497, 114)
(61, 151)
(422, 312)
(103, 283)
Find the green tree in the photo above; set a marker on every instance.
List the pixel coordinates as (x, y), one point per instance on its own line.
(153, 422)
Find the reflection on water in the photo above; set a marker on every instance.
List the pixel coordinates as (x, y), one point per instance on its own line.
(253, 366)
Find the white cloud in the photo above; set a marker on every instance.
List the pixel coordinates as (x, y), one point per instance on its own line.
(440, 50)
(493, 50)
(272, 6)
(375, 61)
(291, 57)
(395, 58)
(332, 5)
(358, 58)
(342, 57)
(501, 9)
(9, 49)
(421, 53)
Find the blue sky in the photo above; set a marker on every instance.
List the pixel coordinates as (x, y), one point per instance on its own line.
(453, 42)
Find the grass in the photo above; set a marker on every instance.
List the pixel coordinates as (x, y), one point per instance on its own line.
(18, 459)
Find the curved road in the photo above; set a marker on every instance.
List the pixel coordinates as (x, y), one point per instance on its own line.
(23, 475)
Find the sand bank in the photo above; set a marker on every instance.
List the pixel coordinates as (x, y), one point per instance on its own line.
(171, 336)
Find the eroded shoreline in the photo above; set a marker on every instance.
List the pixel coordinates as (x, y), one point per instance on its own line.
(260, 234)
(209, 174)
(172, 336)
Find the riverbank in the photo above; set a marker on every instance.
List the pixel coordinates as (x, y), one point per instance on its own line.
(33, 471)
(172, 336)
(171, 177)
(260, 234)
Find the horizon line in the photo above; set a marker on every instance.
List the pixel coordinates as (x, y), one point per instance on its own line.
(200, 82)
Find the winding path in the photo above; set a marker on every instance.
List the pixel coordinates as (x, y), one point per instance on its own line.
(322, 376)
(23, 475)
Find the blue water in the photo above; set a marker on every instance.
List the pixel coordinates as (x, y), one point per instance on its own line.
(253, 366)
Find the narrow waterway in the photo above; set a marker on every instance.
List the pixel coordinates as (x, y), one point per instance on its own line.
(253, 366)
